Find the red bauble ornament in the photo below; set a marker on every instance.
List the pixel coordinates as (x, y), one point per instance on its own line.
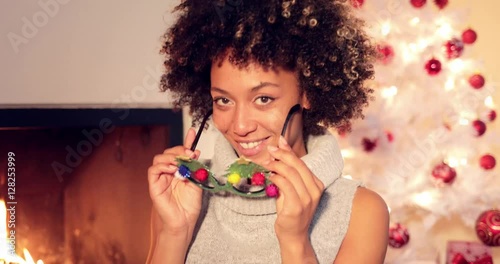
(368, 144)
(258, 178)
(201, 175)
(386, 52)
(433, 66)
(492, 115)
(357, 3)
(441, 3)
(487, 162)
(398, 235)
(488, 228)
(479, 127)
(469, 36)
(343, 130)
(272, 190)
(390, 136)
(418, 3)
(447, 126)
(443, 172)
(453, 48)
(477, 81)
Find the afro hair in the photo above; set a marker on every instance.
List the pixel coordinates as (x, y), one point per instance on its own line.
(320, 40)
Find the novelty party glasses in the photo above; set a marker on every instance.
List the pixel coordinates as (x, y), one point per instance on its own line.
(242, 177)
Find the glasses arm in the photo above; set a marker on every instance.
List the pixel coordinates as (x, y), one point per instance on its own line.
(202, 126)
(292, 111)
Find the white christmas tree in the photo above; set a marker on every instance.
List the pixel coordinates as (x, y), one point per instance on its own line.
(424, 144)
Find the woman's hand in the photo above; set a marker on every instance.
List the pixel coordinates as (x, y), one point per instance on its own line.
(300, 193)
(177, 202)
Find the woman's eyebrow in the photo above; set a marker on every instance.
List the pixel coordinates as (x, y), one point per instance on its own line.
(219, 90)
(253, 89)
(264, 84)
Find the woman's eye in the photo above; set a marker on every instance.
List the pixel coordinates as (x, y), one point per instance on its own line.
(263, 100)
(222, 101)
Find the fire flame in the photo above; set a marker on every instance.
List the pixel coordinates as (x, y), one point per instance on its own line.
(5, 252)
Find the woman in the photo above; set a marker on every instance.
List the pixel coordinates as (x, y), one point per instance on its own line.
(251, 62)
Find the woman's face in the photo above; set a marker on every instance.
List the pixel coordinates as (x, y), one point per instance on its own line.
(250, 107)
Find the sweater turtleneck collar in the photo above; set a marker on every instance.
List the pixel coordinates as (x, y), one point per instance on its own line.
(323, 159)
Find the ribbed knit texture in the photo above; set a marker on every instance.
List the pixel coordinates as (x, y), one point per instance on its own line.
(233, 229)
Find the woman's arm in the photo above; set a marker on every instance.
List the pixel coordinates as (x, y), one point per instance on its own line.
(166, 248)
(300, 193)
(367, 235)
(298, 251)
(176, 203)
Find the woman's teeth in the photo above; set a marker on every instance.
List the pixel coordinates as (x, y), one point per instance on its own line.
(250, 144)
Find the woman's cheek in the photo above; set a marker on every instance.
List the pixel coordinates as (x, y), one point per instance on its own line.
(220, 122)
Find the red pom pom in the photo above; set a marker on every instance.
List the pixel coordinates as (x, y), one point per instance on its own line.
(479, 127)
(368, 144)
(386, 52)
(476, 81)
(390, 136)
(443, 172)
(258, 178)
(469, 36)
(357, 3)
(447, 126)
(433, 66)
(487, 162)
(488, 228)
(492, 115)
(418, 3)
(453, 48)
(201, 175)
(272, 190)
(398, 236)
(441, 3)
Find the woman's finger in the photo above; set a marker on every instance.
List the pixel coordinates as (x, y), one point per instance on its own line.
(290, 159)
(155, 171)
(188, 142)
(169, 155)
(190, 136)
(288, 198)
(292, 176)
(165, 159)
(283, 144)
(177, 150)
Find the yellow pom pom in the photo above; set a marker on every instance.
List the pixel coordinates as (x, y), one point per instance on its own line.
(233, 178)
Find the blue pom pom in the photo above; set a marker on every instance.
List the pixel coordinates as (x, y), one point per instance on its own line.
(184, 171)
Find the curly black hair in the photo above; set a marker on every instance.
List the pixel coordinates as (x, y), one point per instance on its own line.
(320, 40)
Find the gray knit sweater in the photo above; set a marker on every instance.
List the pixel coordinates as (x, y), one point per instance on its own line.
(233, 229)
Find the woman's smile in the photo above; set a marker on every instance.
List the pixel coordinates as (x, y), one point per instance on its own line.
(250, 148)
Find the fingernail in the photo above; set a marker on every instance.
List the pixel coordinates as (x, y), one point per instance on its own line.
(266, 162)
(283, 141)
(172, 167)
(272, 148)
(189, 153)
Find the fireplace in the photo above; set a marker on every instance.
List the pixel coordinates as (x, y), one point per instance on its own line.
(81, 193)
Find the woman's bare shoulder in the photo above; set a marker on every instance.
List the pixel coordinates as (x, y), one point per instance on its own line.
(367, 234)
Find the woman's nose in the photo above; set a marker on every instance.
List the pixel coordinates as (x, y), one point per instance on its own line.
(243, 122)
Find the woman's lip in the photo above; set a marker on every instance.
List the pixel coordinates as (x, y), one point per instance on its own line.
(252, 151)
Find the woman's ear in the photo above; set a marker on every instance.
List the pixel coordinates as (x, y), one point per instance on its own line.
(304, 102)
